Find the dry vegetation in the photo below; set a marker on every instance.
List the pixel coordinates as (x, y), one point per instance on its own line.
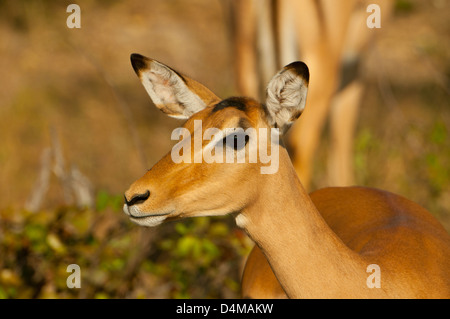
(76, 126)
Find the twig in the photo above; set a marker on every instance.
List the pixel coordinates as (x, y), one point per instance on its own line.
(40, 187)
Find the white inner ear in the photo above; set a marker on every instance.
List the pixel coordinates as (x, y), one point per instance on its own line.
(286, 96)
(167, 88)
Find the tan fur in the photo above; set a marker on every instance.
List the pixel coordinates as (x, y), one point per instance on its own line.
(392, 231)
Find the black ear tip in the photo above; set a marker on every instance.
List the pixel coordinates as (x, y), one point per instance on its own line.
(138, 62)
(300, 68)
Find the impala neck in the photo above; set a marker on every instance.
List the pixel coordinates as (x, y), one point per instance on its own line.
(307, 257)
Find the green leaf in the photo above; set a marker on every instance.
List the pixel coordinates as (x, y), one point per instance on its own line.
(102, 200)
(55, 243)
(185, 245)
(439, 133)
(181, 228)
(210, 248)
(219, 229)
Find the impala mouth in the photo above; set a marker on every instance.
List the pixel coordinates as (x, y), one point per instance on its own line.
(146, 216)
(149, 220)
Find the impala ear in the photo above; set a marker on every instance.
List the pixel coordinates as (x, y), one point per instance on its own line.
(176, 95)
(286, 95)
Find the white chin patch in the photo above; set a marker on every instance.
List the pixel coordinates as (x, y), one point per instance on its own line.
(148, 221)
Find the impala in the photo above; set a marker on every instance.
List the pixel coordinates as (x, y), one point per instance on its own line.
(316, 245)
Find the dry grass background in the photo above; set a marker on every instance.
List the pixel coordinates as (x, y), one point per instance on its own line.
(75, 88)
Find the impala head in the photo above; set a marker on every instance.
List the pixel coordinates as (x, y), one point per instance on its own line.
(196, 178)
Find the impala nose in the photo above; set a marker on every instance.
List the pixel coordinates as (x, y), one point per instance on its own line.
(138, 198)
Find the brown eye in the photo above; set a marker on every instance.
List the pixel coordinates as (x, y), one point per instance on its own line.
(236, 141)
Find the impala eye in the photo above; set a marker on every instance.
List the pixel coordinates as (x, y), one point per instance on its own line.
(236, 141)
